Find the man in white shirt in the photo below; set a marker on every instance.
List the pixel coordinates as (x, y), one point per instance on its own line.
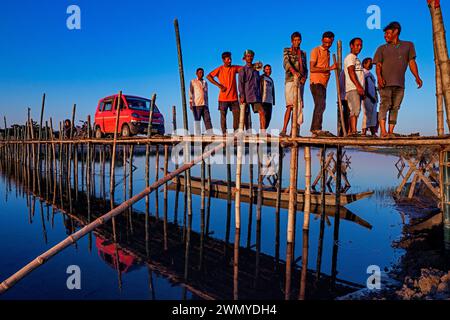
(198, 100)
(354, 83)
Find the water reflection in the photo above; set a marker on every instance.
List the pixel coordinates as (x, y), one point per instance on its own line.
(199, 263)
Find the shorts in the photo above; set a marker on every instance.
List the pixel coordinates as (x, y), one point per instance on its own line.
(231, 105)
(290, 92)
(256, 107)
(354, 103)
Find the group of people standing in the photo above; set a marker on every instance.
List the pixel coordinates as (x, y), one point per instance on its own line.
(255, 90)
(359, 89)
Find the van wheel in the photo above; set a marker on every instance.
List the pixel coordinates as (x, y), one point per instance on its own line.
(98, 133)
(126, 131)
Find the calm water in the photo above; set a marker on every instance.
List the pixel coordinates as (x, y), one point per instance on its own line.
(153, 264)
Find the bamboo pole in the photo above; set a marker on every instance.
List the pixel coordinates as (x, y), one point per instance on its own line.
(130, 187)
(42, 116)
(339, 69)
(337, 216)
(6, 129)
(292, 209)
(250, 207)
(177, 192)
(240, 150)
(202, 214)
(237, 200)
(181, 71)
(113, 164)
(441, 51)
(414, 141)
(187, 185)
(306, 221)
(113, 154)
(338, 89)
(150, 116)
(278, 205)
(156, 178)
(166, 171)
(322, 217)
(439, 95)
(40, 133)
(259, 203)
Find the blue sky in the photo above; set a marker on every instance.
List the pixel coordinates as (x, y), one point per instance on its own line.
(130, 46)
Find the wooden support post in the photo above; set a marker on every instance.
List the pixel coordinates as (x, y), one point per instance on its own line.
(150, 116)
(446, 198)
(441, 52)
(130, 187)
(341, 109)
(339, 69)
(337, 216)
(113, 162)
(292, 210)
(306, 220)
(156, 179)
(187, 189)
(278, 205)
(322, 217)
(166, 172)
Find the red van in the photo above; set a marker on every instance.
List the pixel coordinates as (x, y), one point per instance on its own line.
(134, 114)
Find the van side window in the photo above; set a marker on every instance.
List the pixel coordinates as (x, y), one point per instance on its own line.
(108, 106)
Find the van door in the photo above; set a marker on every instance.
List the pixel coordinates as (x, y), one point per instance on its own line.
(107, 116)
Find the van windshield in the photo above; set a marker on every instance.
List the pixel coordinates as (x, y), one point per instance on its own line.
(138, 104)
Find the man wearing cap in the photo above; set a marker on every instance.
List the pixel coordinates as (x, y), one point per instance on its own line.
(392, 60)
(250, 90)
